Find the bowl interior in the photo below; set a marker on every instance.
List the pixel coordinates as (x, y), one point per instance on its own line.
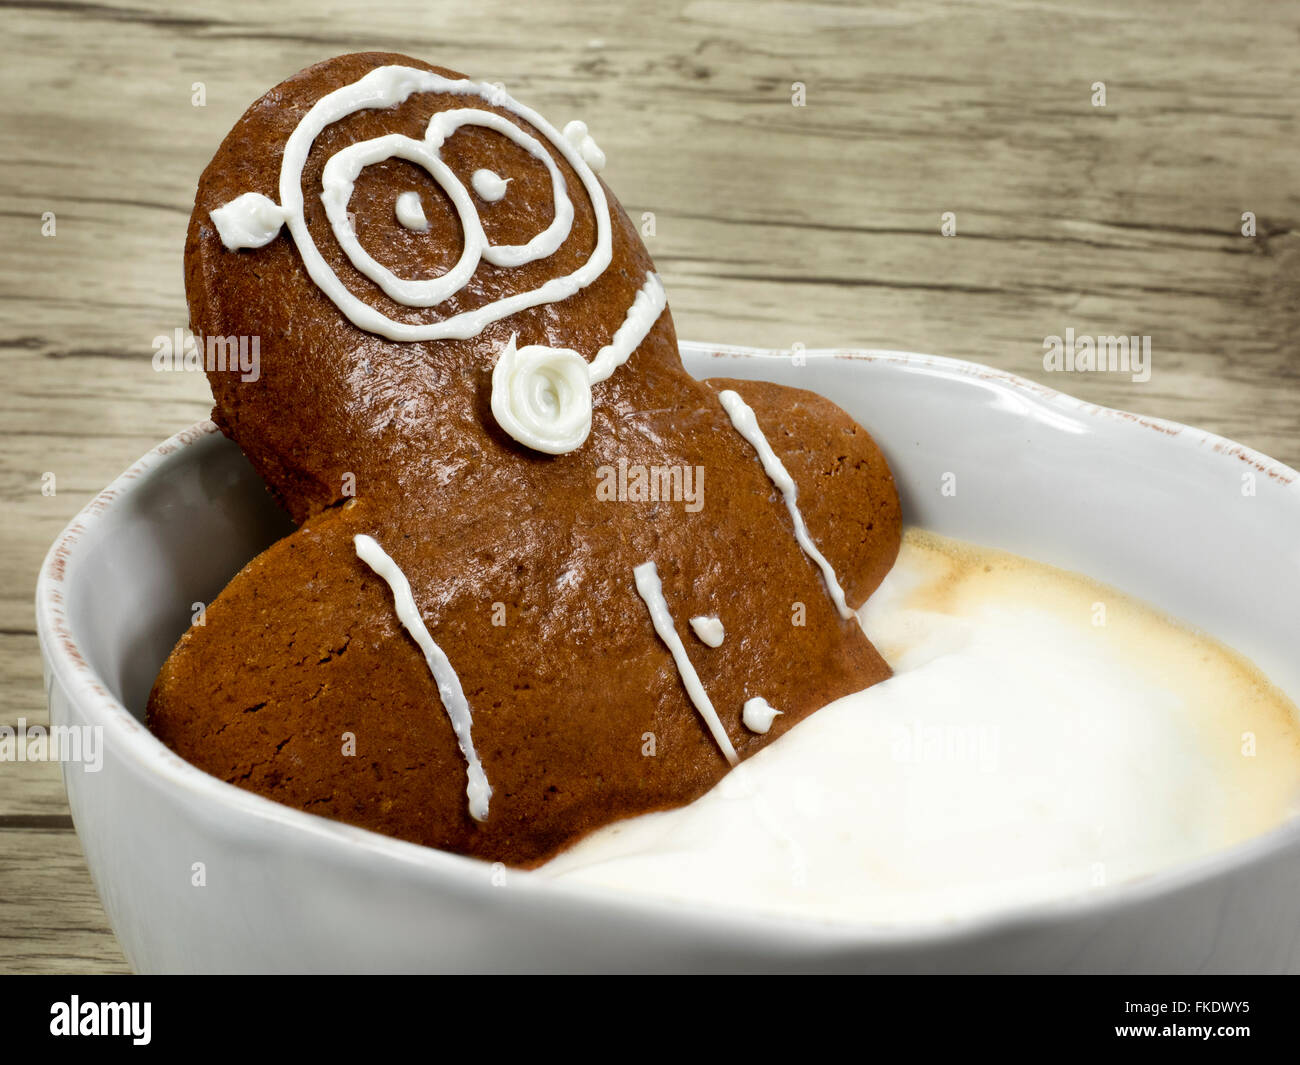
(163, 549)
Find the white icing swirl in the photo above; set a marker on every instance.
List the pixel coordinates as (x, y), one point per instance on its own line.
(449, 688)
(410, 212)
(542, 397)
(758, 715)
(489, 185)
(337, 182)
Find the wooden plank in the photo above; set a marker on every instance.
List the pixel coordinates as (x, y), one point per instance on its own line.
(50, 917)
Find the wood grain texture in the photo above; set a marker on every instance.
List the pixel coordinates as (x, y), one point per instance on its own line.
(774, 225)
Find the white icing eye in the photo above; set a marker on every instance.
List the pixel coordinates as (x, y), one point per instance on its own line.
(490, 186)
(542, 397)
(410, 212)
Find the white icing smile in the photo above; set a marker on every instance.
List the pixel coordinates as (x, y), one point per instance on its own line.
(252, 221)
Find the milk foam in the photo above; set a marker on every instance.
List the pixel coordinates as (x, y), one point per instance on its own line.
(1031, 746)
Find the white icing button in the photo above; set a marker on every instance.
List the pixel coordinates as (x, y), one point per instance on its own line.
(542, 397)
(248, 221)
(709, 629)
(576, 134)
(758, 715)
(488, 185)
(410, 212)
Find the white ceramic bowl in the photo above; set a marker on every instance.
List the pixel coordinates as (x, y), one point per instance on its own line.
(1153, 508)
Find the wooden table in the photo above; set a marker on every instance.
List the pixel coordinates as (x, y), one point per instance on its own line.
(775, 225)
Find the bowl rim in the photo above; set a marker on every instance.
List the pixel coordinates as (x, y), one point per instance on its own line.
(146, 755)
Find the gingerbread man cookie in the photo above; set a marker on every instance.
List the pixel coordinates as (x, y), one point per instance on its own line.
(542, 578)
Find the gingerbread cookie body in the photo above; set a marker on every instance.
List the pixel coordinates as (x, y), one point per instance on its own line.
(512, 498)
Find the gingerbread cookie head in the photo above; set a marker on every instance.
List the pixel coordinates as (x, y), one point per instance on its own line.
(568, 582)
(412, 205)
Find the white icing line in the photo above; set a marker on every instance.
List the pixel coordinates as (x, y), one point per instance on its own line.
(650, 588)
(758, 715)
(742, 417)
(646, 308)
(709, 629)
(449, 689)
(410, 212)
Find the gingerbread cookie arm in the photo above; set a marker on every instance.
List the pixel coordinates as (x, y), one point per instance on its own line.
(846, 493)
(302, 684)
